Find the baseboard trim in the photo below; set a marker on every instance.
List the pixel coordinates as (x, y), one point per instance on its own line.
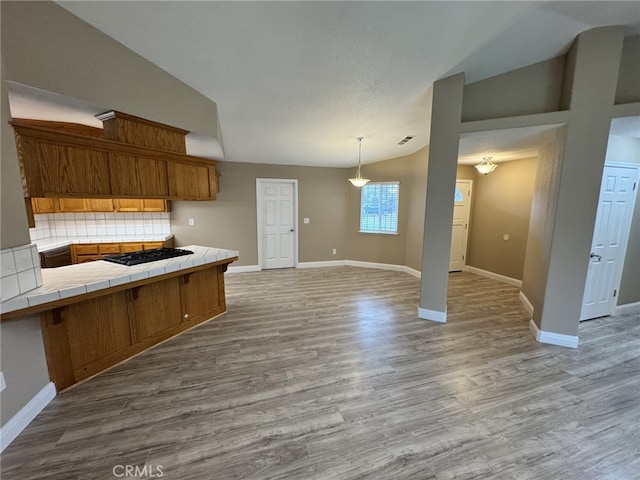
(328, 263)
(559, 339)
(244, 269)
(627, 308)
(494, 276)
(526, 303)
(433, 315)
(335, 263)
(383, 266)
(13, 428)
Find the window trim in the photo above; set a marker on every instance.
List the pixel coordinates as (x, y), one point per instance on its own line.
(380, 232)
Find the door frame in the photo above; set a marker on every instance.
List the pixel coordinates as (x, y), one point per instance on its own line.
(259, 204)
(631, 166)
(468, 229)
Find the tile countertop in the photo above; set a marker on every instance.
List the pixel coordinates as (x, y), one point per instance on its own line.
(65, 282)
(51, 243)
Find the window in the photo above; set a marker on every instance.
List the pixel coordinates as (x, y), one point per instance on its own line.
(379, 207)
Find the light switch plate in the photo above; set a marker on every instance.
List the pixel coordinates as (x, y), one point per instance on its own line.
(306, 220)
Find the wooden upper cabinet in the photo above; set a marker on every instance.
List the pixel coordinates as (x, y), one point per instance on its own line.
(81, 205)
(128, 204)
(72, 205)
(44, 205)
(71, 170)
(155, 205)
(193, 182)
(100, 205)
(62, 162)
(139, 176)
(141, 205)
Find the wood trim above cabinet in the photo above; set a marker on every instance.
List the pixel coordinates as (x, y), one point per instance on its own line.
(126, 128)
(73, 128)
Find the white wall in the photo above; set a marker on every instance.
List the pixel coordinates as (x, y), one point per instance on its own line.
(623, 149)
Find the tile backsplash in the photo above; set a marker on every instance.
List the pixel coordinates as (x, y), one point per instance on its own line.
(95, 225)
(20, 269)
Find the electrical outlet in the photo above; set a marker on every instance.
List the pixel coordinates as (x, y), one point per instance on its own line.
(334, 251)
(192, 222)
(306, 220)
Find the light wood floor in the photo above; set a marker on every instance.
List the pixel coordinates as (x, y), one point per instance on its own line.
(329, 374)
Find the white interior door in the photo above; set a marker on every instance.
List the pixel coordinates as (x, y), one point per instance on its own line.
(276, 223)
(460, 226)
(610, 236)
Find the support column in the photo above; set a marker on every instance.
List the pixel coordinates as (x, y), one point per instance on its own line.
(446, 116)
(593, 65)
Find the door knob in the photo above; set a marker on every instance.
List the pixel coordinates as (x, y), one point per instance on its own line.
(595, 255)
(291, 230)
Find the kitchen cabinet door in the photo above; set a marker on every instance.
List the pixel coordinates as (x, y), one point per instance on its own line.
(202, 294)
(191, 182)
(128, 204)
(141, 205)
(85, 338)
(155, 205)
(138, 176)
(108, 248)
(68, 170)
(154, 309)
(131, 247)
(99, 205)
(44, 205)
(72, 205)
(152, 245)
(81, 205)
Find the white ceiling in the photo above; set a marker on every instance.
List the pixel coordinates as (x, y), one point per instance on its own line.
(504, 145)
(297, 82)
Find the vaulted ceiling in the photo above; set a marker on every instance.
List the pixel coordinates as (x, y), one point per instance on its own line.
(297, 82)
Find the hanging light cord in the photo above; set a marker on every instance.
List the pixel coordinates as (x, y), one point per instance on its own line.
(358, 174)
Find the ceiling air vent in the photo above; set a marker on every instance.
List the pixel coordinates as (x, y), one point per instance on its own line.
(406, 139)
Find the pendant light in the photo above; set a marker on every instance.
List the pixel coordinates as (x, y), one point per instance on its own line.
(358, 181)
(486, 166)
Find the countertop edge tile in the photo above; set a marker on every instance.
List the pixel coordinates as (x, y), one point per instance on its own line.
(114, 282)
(35, 300)
(74, 280)
(73, 291)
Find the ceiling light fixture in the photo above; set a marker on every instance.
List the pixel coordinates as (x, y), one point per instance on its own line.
(486, 166)
(358, 181)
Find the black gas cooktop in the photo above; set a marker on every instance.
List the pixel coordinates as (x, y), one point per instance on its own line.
(144, 256)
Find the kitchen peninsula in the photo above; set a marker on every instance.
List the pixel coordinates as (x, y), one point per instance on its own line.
(95, 315)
